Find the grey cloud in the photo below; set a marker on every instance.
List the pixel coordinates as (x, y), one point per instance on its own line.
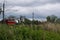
(28, 2)
(25, 7)
(31, 3)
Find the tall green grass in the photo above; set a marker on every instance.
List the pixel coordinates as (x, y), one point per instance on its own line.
(19, 32)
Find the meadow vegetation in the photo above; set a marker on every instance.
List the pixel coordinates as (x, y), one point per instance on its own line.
(48, 31)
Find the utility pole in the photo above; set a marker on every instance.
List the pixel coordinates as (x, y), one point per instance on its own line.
(3, 10)
(33, 16)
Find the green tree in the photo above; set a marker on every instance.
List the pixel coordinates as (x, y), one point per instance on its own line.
(58, 20)
(51, 18)
(48, 18)
(27, 21)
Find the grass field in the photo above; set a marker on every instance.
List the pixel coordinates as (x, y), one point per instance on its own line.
(26, 32)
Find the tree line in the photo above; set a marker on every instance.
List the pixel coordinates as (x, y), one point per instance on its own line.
(53, 19)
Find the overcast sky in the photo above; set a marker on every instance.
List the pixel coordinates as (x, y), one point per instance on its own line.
(41, 8)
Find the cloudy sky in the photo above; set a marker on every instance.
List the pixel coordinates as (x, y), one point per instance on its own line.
(41, 8)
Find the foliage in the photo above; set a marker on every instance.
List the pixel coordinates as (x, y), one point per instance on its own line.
(51, 18)
(27, 21)
(58, 20)
(35, 22)
(48, 18)
(20, 32)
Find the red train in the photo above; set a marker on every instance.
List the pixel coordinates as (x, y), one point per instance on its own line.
(10, 22)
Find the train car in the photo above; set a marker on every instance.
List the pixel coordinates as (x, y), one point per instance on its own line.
(10, 21)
